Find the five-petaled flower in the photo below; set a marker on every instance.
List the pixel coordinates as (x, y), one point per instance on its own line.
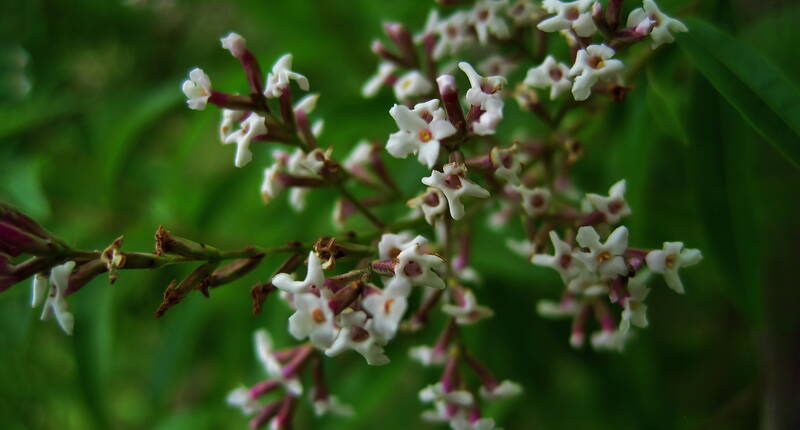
(563, 259)
(535, 201)
(417, 268)
(466, 309)
(421, 132)
(670, 259)
(592, 64)
(550, 74)
(452, 182)
(663, 25)
(387, 308)
(453, 33)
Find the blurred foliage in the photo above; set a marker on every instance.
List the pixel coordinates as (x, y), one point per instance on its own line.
(101, 145)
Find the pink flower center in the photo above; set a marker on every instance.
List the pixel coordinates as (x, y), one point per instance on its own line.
(452, 181)
(596, 62)
(556, 74)
(412, 269)
(614, 206)
(432, 199)
(565, 261)
(572, 14)
(425, 115)
(537, 201)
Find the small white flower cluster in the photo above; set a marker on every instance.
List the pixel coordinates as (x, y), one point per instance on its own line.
(367, 323)
(594, 269)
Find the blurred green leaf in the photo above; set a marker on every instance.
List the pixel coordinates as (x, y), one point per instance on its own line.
(768, 101)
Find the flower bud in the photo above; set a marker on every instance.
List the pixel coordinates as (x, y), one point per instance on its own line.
(345, 297)
(449, 94)
(14, 240)
(175, 292)
(233, 271)
(166, 243)
(11, 215)
(402, 39)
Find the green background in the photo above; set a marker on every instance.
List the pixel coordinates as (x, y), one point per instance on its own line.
(103, 145)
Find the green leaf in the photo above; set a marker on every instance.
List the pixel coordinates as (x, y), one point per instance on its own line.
(758, 91)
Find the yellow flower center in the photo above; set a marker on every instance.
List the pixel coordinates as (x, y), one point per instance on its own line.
(603, 256)
(318, 316)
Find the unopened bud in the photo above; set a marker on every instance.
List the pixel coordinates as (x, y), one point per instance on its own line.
(175, 292)
(166, 243)
(235, 270)
(449, 94)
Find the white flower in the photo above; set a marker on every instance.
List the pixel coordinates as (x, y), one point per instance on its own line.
(265, 354)
(613, 340)
(535, 201)
(387, 309)
(278, 79)
(433, 204)
(392, 244)
(551, 309)
(453, 32)
(251, 127)
(497, 65)
(271, 186)
(454, 185)
(663, 25)
(486, 93)
(382, 77)
(315, 278)
(467, 310)
(297, 198)
(461, 423)
(523, 12)
(427, 356)
(356, 335)
(417, 268)
(197, 89)
(614, 207)
(241, 398)
(550, 74)
(235, 44)
(411, 85)
(361, 155)
(331, 405)
(230, 117)
(442, 413)
(592, 64)
(670, 259)
(486, 18)
(521, 247)
(603, 258)
(421, 132)
(507, 165)
(307, 104)
(313, 319)
(563, 259)
(574, 14)
(635, 311)
(56, 303)
(503, 390)
(435, 393)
